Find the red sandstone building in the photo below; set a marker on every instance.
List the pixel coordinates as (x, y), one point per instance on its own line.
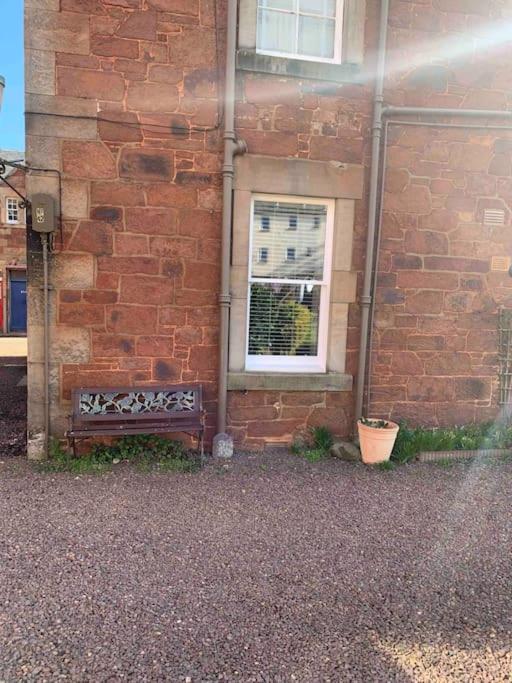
(173, 261)
(13, 262)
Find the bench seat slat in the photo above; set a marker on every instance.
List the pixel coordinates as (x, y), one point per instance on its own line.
(116, 432)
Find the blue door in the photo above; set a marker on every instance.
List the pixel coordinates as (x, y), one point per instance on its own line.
(18, 302)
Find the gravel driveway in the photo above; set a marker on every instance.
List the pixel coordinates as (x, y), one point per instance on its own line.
(269, 570)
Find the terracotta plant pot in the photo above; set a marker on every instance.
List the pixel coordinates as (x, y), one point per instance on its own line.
(377, 442)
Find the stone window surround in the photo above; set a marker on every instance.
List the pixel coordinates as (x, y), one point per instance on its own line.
(248, 59)
(301, 178)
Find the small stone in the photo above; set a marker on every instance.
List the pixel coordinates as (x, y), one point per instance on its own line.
(345, 450)
(222, 446)
(116, 461)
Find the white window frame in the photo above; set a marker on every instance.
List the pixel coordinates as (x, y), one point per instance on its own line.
(261, 251)
(338, 35)
(8, 200)
(295, 364)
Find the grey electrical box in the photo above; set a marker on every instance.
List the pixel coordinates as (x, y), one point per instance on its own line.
(43, 213)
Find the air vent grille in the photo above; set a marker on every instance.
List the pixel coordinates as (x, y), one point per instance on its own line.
(500, 263)
(494, 217)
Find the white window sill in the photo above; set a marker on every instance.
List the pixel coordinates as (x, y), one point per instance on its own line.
(273, 381)
(250, 60)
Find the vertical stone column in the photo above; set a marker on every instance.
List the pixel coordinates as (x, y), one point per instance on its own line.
(46, 31)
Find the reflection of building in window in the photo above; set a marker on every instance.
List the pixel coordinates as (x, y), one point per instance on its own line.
(305, 29)
(12, 210)
(265, 224)
(289, 279)
(263, 255)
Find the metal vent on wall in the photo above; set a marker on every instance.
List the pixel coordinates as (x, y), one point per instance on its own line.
(494, 217)
(500, 263)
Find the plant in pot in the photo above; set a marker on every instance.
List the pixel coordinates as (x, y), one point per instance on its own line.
(376, 439)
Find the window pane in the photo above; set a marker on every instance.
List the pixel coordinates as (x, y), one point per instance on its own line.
(326, 8)
(12, 210)
(283, 320)
(277, 4)
(276, 31)
(316, 37)
(294, 228)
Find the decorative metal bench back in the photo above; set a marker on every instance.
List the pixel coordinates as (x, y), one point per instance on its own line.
(134, 404)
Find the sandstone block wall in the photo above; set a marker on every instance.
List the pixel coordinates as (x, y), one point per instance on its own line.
(435, 348)
(136, 273)
(136, 276)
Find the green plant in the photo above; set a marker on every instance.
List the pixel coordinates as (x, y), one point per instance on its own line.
(147, 452)
(314, 454)
(314, 446)
(446, 463)
(385, 466)
(376, 424)
(322, 438)
(411, 441)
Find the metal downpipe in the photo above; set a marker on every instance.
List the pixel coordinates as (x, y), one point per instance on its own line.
(46, 309)
(232, 147)
(366, 298)
(432, 111)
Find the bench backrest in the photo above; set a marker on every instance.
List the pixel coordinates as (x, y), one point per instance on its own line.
(171, 403)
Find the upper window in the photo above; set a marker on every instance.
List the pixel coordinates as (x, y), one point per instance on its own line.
(303, 29)
(289, 289)
(12, 210)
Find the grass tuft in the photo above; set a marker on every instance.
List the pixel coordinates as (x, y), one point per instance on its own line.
(146, 452)
(385, 466)
(411, 441)
(315, 446)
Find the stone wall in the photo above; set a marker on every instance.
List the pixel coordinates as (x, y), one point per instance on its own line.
(435, 359)
(136, 277)
(439, 289)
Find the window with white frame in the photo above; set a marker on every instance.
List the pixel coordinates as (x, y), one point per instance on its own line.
(301, 29)
(264, 223)
(288, 298)
(263, 255)
(12, 210)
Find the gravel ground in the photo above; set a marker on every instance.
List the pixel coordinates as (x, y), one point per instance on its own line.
(13, 406)
(268, 570)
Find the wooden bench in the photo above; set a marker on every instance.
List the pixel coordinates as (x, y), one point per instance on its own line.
(119, 411)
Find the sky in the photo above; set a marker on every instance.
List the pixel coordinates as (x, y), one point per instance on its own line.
(12, 123)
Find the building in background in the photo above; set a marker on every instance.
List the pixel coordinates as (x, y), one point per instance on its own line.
(125, 99)
(13, 261)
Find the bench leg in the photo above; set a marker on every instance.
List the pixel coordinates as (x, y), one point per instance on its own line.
(71, 444)
(201, 446)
